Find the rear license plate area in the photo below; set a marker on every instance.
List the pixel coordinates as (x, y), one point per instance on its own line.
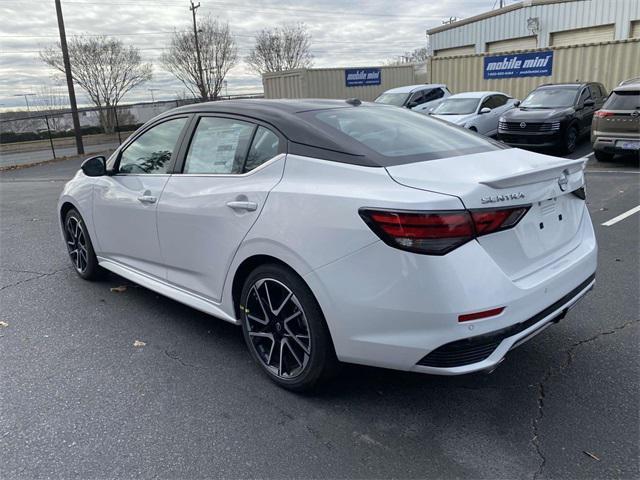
(628, 145)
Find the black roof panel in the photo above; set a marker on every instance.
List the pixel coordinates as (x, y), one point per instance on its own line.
(283, 115)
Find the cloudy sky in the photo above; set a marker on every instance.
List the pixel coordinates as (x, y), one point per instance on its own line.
(344, 33)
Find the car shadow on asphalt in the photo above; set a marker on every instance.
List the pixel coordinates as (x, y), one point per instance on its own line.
(195, 332)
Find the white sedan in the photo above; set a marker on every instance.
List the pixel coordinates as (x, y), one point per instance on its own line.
(477, 111)
(335, 231)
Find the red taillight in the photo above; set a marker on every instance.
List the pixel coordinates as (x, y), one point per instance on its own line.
(489, 221)
(437, 233)
(478, 315)
(604, 113)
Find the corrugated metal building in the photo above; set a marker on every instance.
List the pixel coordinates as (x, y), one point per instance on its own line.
(605, 62)
(331, 82)
(538, 24)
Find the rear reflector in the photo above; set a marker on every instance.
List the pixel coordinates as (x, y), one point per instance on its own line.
(478, 315)
(438, 233)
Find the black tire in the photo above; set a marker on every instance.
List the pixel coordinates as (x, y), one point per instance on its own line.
(603, 156)
(79, 246)
(569, 140)
(279, 346)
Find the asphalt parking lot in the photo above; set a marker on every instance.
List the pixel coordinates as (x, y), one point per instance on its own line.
(79, 400)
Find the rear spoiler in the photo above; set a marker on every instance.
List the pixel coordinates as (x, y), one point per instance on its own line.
(536, 175)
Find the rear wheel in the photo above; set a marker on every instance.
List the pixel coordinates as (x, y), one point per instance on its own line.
(80, 247)
(285, 330)
(570, 140)
(603, 156)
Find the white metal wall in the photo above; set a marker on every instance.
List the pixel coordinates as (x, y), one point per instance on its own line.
(602, 33)
(330, 83)
(563, 15)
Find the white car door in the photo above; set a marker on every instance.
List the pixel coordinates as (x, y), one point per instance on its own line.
(206, 210)
(488, 122)
(125, 202)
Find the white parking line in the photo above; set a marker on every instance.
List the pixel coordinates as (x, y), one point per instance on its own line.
(612, 171)
(622, 216)
(586, 157)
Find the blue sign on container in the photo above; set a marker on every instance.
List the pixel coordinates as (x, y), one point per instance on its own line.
(532, 64)
(358, 77)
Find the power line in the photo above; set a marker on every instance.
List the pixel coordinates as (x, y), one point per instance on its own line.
(171, 32)
(261, 8)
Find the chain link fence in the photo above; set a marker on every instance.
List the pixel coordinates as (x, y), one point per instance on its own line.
(32, 137)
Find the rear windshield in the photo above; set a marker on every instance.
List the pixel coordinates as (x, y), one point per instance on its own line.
(396, 99)
(624, 100)
(400, 135)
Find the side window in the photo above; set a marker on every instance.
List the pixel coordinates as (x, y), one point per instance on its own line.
(417, 98)
(434, 94)
(499, 100)
(584, 95)
(265, 146)
(219, 146)
(488, 103)
(151, 152)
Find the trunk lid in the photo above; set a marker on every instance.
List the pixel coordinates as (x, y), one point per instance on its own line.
(511, 177)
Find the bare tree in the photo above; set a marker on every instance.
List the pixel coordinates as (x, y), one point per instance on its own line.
(282, 48)
(53, 101)
(218, 53)
(104, 68)
(418, 55)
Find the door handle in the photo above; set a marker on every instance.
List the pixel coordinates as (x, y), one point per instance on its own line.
(238, 205)
(149, 199)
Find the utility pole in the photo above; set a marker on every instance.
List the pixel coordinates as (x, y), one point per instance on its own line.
(193, 9)
(67, 70)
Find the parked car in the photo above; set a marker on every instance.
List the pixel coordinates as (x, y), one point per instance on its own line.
(420, 98)
(616, 127)
(477, 111)
(338, 231)
(553, 115)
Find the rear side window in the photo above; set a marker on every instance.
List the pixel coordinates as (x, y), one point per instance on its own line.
(624, 100)
(265, 146)
(399, 133)
(218, 146)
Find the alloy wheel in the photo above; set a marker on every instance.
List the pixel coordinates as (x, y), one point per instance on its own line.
(77, 244)
(278, 328)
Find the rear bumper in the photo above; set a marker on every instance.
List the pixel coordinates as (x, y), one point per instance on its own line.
(394, 309)
(490, 348)
(530, 139)
(609, 144)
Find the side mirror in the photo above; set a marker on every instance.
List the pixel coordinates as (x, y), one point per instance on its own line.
(485, 110)
(589, 102)
(516, 103)
(412, 105)
(94, 166)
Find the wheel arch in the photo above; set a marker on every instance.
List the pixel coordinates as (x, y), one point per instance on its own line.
(64, 209)
(245, 268)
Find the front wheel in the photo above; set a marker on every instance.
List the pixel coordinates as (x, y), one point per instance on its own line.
(570, 140)
(79, 246)
(285, 330)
